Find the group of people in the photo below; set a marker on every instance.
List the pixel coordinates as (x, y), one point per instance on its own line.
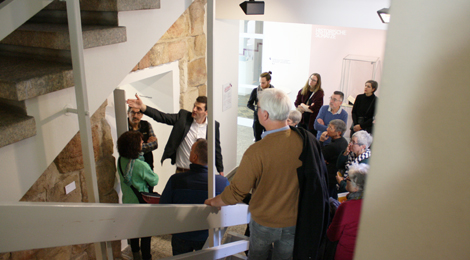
(290, 173)
(346, 163)
(311, 114)
(186, 147)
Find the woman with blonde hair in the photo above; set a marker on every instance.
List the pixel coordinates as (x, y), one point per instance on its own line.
(309, 101)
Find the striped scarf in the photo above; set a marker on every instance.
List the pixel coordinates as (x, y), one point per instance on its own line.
(352, 158)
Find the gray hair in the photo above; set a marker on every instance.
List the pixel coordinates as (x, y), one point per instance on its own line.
(339, 125)
(295, 116)
(363, 138)
(357, 175)
(276, 103)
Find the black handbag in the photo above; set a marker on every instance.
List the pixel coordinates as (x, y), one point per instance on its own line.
(143, 197)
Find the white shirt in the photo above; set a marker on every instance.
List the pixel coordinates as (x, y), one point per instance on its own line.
(337, 112)
(195, 132)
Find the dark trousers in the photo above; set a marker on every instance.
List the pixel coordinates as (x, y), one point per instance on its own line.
(182, 246)
(258, 130)
(144, 246)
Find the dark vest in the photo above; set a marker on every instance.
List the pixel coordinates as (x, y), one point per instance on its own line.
(144, 129)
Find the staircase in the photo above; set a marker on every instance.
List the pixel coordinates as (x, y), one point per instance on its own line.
(36, 75)
(35, 59)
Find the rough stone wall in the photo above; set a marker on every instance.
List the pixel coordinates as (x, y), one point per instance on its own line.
(184, 42)
(66, 168)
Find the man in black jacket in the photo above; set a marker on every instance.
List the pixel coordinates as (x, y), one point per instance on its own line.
(187, 128)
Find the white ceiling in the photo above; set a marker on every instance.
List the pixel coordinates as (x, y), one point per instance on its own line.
(343, 13)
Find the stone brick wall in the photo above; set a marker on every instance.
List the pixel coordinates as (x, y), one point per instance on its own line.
(66, 168)
(184, 42)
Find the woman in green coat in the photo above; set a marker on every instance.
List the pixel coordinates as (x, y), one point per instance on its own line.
(135, 172)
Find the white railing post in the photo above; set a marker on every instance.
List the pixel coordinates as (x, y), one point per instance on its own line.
(215, 235)
(81, 95)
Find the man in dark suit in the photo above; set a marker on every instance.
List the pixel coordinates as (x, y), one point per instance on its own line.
(187, 128)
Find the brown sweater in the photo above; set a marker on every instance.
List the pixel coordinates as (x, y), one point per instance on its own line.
(269, 167)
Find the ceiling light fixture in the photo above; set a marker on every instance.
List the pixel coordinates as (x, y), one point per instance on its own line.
(384, 15)
(252, 7)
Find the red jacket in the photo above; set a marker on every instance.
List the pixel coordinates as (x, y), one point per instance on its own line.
(344, 228)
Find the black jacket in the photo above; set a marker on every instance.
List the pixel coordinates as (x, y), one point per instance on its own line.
(181, 123)
(313, 213)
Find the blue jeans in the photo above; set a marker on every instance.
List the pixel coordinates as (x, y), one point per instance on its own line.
(261, 239)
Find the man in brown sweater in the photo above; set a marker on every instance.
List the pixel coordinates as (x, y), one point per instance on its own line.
(269, 169)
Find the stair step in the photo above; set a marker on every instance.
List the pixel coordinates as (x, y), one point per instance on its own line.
(15, 126)
(63, 56)
(110, 5)
(109, 18)
(56, 36)
(22, 78)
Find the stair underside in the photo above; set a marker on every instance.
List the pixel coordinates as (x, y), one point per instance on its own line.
(23, 78)
(56, 36)
(15, 127)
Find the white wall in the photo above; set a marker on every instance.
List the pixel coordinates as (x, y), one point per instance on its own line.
(359, 14)
(326, 54)
(226, 71)
(415, 204)
(160, 86)
(286, 52)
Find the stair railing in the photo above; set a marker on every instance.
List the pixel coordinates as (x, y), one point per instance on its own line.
(33, 225)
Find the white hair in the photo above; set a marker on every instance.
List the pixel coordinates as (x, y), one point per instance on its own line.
(363, 138)
(357, 174)
(295, 116)
(276, 103)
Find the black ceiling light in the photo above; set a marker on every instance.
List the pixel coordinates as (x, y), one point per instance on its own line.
(384, 15)
(252, 7)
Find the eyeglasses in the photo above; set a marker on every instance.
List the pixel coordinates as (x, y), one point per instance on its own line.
(312, 79)
(334, 99)
(136, 113)
(353, 143)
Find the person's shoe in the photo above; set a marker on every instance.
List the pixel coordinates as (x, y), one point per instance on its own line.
(136, 256)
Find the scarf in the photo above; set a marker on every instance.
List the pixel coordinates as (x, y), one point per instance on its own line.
(352, 158)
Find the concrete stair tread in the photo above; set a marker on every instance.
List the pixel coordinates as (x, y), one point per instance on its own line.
(56, 36)
(23, 78)
(110, 5)
(15, 126)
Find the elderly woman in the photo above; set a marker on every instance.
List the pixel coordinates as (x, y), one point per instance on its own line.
(363, 110)
(331, 151)
(294, 117)
(309, 101)
(345, 223)
(357, 152)
(136, 176)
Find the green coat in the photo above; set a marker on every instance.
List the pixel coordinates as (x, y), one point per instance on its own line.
(142, 175)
